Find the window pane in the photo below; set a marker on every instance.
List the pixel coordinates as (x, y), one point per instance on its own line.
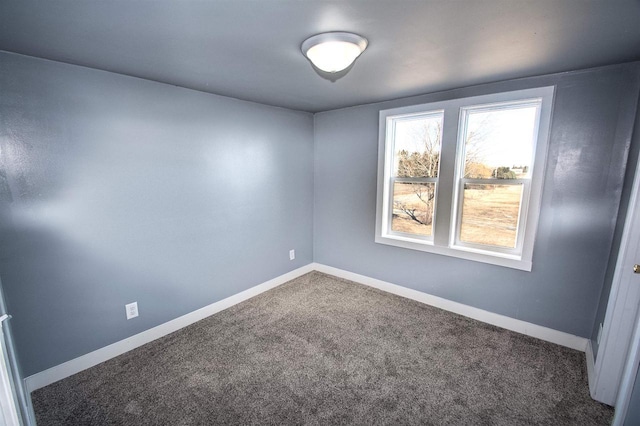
(490, 214)
(499, 142)
(413, 207)
(417, 146)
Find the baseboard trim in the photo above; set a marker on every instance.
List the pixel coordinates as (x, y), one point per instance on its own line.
(519, 326)
(591, 369)
(76, 365)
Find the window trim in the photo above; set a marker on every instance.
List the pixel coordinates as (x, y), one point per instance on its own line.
(449, 182)
(385, 228)
(456, 207)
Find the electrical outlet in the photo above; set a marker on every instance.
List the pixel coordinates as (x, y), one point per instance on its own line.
(132, 310)
(599, 334)
(292, 254)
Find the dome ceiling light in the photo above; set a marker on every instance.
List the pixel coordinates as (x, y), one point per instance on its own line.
(333, 52)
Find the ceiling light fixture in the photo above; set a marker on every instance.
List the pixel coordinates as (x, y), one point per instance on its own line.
(333, 52)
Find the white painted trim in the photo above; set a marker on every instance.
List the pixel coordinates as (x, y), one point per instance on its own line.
(519, 326)
(31, 414)
(628, 381)
(451, 151)
(622, 307)
(8, 401)
(69, 368)
(590, 369)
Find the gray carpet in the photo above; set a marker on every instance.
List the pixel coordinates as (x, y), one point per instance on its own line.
(321, 350)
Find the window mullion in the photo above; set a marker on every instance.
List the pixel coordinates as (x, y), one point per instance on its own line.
(446, 179)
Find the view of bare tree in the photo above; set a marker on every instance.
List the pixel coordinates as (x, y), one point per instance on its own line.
(422, 213)
(491, 204)
(475, 166)
(422, 163)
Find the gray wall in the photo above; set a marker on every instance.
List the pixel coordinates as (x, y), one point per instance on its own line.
(617, 236)
(593, 112)
(116, 189)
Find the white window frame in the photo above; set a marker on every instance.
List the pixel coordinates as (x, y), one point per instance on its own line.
(446, 220)
(386, 231)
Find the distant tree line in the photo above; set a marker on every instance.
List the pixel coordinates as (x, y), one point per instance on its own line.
(426, 162)
(504, 173)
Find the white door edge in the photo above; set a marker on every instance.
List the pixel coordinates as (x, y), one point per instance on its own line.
(622, 307)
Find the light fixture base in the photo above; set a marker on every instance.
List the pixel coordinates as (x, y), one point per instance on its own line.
(333, 52)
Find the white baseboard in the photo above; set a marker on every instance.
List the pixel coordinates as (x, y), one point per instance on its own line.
(76, 365)
(83, 362)
(591, 369)
(519, 326)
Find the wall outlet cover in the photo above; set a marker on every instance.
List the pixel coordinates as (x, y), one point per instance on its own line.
(132, 310)
(292, 254)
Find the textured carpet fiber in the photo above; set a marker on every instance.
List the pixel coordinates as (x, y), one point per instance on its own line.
(321, 350)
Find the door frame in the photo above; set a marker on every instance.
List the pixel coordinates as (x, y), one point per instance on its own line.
(9, 411)
(629, 375)
(622, 307)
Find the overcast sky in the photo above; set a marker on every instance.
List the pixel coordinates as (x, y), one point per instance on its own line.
(507, 134)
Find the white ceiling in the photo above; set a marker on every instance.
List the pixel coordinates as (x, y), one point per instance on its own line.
(251, 49)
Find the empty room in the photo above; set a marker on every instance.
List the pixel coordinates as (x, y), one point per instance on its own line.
(297, 212)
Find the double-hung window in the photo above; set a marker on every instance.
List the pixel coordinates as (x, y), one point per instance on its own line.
(413, 175)
(464, 177)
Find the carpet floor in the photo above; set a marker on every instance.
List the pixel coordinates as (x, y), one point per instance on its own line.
(320, 350)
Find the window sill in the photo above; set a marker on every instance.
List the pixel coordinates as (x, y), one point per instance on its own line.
(498, 259)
